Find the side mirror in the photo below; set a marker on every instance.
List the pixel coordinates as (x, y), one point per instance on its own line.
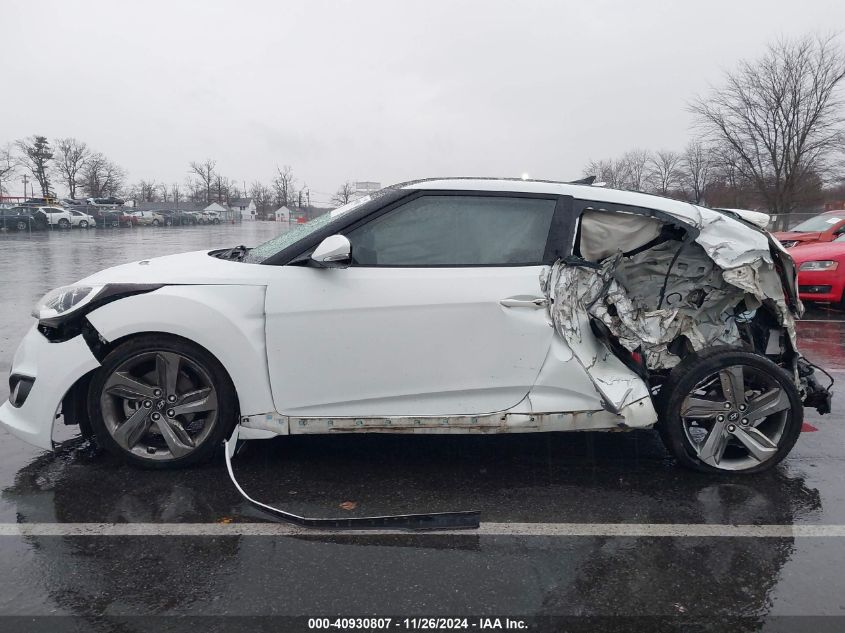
(333, 252)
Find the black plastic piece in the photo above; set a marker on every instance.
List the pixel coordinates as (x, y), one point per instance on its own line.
(434, 521)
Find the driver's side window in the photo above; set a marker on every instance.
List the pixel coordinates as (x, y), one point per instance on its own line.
(447, 230)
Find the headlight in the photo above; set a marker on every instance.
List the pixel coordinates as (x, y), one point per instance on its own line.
(819, 265)
(63, 300)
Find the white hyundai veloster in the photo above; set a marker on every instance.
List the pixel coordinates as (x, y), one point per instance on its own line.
(437, 306)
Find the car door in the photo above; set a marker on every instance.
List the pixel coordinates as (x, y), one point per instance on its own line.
(440, 313)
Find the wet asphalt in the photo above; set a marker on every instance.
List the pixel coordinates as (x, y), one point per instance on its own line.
(614, 583)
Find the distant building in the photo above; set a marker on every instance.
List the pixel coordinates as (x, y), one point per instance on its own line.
(245, 205)
(282, 214)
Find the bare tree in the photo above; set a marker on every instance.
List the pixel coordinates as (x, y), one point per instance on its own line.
(344, 194)
(283, 186)
(637, 163)
(263, 197)
(665, 171)
(102, 177)
(164, 192)
(205, 173)
(7, 167)
(36, 156)
(146, 190)
(71, 155)
(781, 115)
(222, 188)
(696, 170)
(175, 194)
(613, 173)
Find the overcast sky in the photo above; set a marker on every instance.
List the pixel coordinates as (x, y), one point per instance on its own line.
(384, 91)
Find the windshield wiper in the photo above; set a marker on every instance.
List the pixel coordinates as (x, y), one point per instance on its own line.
(236, 253)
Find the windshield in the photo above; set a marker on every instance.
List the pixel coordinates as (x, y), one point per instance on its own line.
(300, 231)
(819, 223)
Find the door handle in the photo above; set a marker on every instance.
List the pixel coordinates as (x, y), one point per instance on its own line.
(535, 303)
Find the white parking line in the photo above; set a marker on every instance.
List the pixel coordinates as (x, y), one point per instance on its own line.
(672, 530)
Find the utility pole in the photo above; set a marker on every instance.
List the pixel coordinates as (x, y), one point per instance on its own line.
(25, 180)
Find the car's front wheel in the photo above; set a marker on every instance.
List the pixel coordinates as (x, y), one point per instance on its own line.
(83, 224)
(159, 401)
(726, 410)
(156, 222)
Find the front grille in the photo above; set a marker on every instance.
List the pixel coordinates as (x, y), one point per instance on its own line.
(814, 290)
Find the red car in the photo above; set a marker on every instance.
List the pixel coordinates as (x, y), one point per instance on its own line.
(822, 228)
(821, 270)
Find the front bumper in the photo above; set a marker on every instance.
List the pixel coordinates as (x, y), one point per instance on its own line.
(55, 368)
(820, 285)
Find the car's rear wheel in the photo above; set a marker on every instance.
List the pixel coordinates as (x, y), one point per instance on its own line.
(216, 221)
(729, 411)
(21, 226)
(156, 222)
(64, 224)
(159, 401)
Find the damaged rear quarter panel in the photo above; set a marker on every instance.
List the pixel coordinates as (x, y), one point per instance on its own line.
(723, 262)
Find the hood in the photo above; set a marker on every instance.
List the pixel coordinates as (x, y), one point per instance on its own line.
(818, 251)
(797, 235)
(194, 268)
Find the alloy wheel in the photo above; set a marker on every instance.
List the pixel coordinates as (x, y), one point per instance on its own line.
(159, 405)
(736, 417)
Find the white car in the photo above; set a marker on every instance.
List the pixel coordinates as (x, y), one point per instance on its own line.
(437, 306)
(58, 217)
(81, 220)
(209, 217)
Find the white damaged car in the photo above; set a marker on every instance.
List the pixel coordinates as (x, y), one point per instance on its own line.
(437, 306)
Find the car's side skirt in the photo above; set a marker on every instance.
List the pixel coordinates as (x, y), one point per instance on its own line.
(503, 422)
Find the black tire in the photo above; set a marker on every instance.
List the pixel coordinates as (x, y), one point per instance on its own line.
(83, 224)
(216, 221)
(21, 226)
(64, 224)
(710, 364)
(224, 420)
(156, 222)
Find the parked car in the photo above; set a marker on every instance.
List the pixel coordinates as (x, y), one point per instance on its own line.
(210, 217)
(58, 217)
(81, 220)
(821, 270)
(148, 218)
(45, 201)
(106, 217)
(192, 217)
(442, 292)
(111, 201)
(824, 227)
(71, 202)
(22, 218)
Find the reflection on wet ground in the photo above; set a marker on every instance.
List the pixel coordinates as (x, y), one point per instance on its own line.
(551, 478)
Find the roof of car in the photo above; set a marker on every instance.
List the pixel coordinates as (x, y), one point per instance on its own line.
(584, 192)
